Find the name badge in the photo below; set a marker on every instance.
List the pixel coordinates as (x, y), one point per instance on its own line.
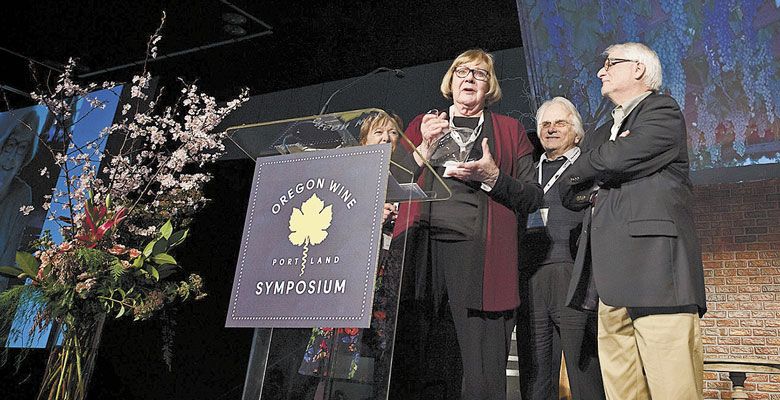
(538, 219)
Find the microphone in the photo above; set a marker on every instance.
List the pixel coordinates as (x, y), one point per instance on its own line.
(398, 74)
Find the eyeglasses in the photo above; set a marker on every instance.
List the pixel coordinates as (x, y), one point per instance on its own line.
(478, 73)
(560, 124)
(12, 146)
(609, 62)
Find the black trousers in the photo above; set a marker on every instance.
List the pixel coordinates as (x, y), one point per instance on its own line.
(483, 337)
(546, 326)
(444, 349)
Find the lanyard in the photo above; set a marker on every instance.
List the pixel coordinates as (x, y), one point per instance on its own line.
(569, 161)
(456, 137)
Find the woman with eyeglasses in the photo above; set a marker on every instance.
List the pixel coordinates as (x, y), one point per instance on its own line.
(461, 272)
(357, 356)
(18, 145)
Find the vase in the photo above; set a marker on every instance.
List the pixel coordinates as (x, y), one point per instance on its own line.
(70, 365)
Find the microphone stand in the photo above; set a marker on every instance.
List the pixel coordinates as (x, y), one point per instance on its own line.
(398, 73)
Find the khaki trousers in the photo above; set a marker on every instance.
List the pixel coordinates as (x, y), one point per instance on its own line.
(653, 357)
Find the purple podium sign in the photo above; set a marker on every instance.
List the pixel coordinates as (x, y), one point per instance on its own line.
(311, 240)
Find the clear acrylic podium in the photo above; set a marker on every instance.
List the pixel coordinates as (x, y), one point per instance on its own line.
(321, 363)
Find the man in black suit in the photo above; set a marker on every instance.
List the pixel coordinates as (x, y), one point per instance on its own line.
(638, 250)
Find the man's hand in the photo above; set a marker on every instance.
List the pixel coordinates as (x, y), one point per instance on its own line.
(483, 170)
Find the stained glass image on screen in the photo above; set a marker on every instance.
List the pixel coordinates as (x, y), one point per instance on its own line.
(721, 62)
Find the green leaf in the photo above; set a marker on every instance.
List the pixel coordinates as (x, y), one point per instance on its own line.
(108, 201)
(177, 237)
(27, 263)
(117, 269)
(154, 272)
(167, 229)
(121, 312)
(164, 258)
(148, 249)
(139, 262)
(161, 246)
(11, 271)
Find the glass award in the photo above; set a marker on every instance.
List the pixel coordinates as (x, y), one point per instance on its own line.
(454, 147)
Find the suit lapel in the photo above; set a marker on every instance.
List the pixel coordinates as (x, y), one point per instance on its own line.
(598, 137)
(629, 119)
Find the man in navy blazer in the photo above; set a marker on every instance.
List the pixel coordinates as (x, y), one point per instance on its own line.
(639, 260)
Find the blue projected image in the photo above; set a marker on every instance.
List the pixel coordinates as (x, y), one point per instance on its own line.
(91, 121)
(721, 62)
(19, 130)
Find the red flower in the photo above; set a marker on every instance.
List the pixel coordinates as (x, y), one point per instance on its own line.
(351, 331)
(380, 315)
(94, 215)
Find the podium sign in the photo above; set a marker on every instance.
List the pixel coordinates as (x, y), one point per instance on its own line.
(311, 240)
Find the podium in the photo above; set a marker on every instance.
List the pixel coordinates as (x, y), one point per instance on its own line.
(319, 275)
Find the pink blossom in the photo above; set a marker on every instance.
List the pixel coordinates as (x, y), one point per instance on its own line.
(117, 249)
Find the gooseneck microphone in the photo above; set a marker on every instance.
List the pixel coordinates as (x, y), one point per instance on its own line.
(398, 74)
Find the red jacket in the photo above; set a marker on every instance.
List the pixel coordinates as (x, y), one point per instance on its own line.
(512, 152)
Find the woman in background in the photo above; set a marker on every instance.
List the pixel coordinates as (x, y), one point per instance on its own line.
(337, 352)
(18, 145)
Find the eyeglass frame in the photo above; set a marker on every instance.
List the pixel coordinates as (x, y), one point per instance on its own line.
(13, 146)
(558, 124)
(609, 62)
(471, 71)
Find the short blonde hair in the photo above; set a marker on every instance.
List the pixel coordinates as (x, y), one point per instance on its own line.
(378, 119)
(474, 55)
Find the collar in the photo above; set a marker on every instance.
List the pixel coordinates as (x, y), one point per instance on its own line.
(567, 155)
(631, 104)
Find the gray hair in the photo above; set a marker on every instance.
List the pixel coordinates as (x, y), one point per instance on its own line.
(640, 52)
(575, 115)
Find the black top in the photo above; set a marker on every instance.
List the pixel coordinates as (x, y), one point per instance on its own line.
(459, 217)
(557, 242)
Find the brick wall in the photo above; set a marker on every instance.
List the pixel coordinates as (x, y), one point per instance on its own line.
(739, 228)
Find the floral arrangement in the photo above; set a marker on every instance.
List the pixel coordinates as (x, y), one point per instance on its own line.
(121, 222)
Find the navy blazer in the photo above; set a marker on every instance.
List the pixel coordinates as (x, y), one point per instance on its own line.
(639, 247)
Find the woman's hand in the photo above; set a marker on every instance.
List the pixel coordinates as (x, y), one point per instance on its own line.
(433, 127)
(483, 170)
(390, 213)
